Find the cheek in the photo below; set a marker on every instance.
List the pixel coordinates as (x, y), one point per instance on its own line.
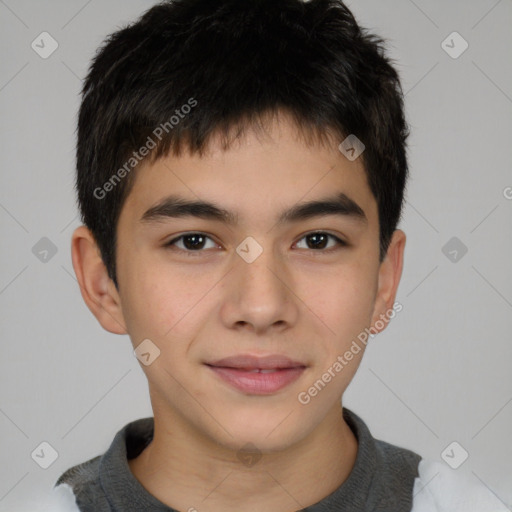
(343, 300)
(167, 304)
(149, 305)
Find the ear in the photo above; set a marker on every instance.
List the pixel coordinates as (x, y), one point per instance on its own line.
(96, 287)
(390, 272)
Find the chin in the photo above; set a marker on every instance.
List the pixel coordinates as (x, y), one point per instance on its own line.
(267, 432)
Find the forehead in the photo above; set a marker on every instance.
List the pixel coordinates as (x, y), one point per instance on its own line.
(255, 178)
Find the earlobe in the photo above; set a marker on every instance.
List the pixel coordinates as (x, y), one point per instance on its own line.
(390, 272)
(96, 287)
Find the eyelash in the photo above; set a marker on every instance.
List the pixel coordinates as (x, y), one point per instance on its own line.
(188, 252)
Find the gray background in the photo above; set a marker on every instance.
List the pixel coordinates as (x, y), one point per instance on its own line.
(439, 373)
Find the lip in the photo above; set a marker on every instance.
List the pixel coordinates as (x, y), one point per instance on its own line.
(258, 375)
(251, 362)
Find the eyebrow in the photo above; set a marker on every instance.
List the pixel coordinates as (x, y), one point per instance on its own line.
(174, 206)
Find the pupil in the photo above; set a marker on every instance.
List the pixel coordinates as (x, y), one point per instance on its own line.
(193, 245)
(315, 238)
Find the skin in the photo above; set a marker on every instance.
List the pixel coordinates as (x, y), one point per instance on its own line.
(294, 299)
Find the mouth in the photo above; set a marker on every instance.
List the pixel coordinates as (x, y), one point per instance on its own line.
(257, 375)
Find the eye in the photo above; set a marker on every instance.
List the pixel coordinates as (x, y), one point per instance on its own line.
(191, 242)
(319, 240)
(195, 242)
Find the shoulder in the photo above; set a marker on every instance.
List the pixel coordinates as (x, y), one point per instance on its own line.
(56, 499)
(61, 499)
(81, 483)
(438, 488)
(70, 486)
(82, 475)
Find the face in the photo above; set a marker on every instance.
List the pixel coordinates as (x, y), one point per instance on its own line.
(252, 298)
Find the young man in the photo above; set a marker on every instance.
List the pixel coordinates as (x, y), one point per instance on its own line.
(241, 173)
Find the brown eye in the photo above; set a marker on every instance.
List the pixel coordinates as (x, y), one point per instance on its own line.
(190, 242)
(319, 240)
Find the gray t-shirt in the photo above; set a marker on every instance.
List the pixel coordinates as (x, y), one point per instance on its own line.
(381, 480)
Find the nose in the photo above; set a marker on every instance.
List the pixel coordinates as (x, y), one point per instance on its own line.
(259, 295)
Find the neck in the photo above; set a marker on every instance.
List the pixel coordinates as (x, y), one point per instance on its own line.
(185, 470)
